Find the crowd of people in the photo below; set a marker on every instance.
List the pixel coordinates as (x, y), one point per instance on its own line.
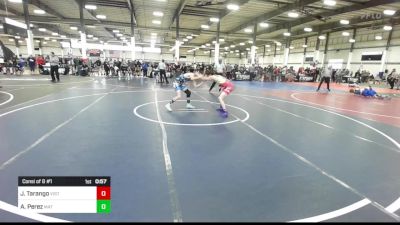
(162, 70)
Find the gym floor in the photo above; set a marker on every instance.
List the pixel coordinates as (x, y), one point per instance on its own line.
(285, 153)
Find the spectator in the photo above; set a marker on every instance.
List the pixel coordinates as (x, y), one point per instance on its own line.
(32, 63)
(391, 79)
(21, 65)
(161, 68)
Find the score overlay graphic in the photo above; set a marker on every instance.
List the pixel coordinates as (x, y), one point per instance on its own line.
(64, 194)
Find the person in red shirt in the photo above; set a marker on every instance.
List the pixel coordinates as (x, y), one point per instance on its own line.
(40, 62)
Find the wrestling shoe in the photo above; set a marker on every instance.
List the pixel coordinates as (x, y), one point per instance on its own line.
(168, 107)
(190, 106)
(224, 114)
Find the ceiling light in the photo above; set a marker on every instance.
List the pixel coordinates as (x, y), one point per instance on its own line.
(45, 43)
(307, 29)
(120, 35)
(264, 24)
(39, 11)
(291, 47)
(54, 40)
(115, 31)
(236, 50)
(11, 39)
(278, 44)
(267, 46)
(250, 42)
(20, 41)
(278, 49)
(205, 26)
(73, 28)
(345, 34)
(103, 17)
(268, 50)
(231, 52)
(185, 39)
(232, 46)
(287, 34)
(293, 14)
(203, 46)
(92, 7)
(344, 22)
(389, 12)
(158, 13)
(153, 34)
(232, 7)
(15, 1)
(101, 42)
(248, 30)
(156, 22)
(91, 26)
(378, 37)
(54, 34)
(46, 38)
(242, 43)
(42, 29)
(208, 44)
(63, 36)
(226, 48)
(247, 49)
(214, 42)
(387, 27)
(304, 46)
(95, 38)
(17, 37)
(189, 37)
(90, 35)
(352, 40)
(37, 41)
(322, 37)
(330, 2)
(214, 19)
(221, 40)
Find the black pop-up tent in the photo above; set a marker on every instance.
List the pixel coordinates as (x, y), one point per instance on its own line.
(5, 53)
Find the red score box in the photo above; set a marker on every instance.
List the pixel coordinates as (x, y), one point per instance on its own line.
(103, 193)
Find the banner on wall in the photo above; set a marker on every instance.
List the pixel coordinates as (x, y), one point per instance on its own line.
(94, 52)
(336, 63)
(115, 54)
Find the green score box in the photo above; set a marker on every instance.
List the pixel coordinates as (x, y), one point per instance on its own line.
(103, 206)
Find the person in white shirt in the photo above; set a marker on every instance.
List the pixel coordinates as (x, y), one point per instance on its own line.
(220, 70)
(54, 62)
(161, 68)
(326, 76)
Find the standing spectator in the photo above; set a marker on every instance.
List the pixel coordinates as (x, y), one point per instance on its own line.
(40, 62)
(391, 78)
(144, 68)
(54, 62)
(326, 76)
(229, 71)
(161, 68)
(32, 63)
(106, 66)
(21, 65)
